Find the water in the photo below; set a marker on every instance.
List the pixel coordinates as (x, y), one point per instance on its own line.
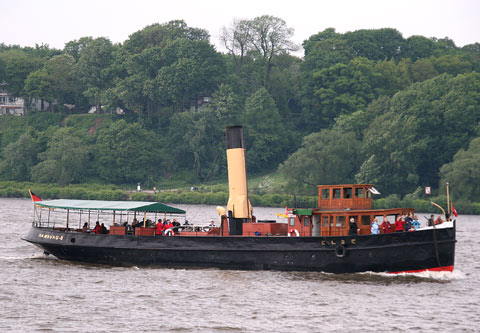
(39, 293)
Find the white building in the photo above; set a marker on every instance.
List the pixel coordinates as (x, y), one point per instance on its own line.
(11, 105)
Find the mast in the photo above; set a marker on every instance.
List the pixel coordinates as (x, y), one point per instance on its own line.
(448, 201)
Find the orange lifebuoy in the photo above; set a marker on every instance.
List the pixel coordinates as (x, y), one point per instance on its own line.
(291, 231)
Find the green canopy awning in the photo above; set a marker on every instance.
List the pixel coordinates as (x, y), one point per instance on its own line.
(302, 211)
(134, 206)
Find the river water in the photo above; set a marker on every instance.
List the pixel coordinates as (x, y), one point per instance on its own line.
(40, 293)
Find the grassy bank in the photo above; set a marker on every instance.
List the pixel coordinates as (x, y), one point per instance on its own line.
(208, 195)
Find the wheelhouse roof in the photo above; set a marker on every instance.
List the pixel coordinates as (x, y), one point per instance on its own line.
(135, 206)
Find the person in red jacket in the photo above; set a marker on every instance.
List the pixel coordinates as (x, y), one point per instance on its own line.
(399, 224)
(159, 227)
(386, 226)
(167, 226)
(97, 229)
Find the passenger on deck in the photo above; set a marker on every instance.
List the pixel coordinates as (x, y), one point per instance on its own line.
(431, 222)
(407, 225)
(409, 218)
(399, 223)
(175, 223)
(353, 227)
(386, 226)
(159, 227)
(104, 229)
(167, 226)
(374, 229)
(149, 223)
(212, 224)
(136, 223)
(98, 228)
(415, 222)
(438, 220)
(85, 227)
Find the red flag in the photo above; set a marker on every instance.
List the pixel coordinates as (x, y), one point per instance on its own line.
(34, 196)
(454, 211)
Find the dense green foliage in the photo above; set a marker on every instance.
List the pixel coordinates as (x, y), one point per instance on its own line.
(363, 106)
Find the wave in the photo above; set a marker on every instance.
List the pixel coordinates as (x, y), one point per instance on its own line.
(431, 275)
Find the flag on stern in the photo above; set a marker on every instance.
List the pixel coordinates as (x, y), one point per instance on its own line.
(454, 211)
(34, 197)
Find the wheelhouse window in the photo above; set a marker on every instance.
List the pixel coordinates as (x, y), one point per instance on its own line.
(339, 221)
(368, 194)
(291, 221)
(325, 193)
(347, 193)
(336, 193)
(365, 219)
(359, 192)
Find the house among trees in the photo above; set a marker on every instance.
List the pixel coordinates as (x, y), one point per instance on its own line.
(11, 105)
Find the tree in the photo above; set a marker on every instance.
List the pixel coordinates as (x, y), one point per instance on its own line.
(326, 157)
(270, 36)
(191, 69)
(92, 69)
(376, 44)
(159, 35)
(127, 153)
(17, 66)
(421, 128)
(463, 173)
(20, 157)
(339, 89)
(417, 47)
(196, 142)
(262, 38)
(236, 40)
(53, 82)
(65, 161)
(265, 134)
(75, 47)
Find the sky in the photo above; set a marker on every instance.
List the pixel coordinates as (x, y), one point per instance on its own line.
(56, 22)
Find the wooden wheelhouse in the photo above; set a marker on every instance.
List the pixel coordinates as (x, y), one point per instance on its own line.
(336, 205)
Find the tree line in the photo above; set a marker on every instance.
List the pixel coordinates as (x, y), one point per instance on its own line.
(364, 106)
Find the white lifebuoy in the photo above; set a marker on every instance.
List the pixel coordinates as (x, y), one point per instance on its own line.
(291, 231)
(169, 232)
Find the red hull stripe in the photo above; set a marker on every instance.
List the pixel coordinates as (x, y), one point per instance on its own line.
(434, 269)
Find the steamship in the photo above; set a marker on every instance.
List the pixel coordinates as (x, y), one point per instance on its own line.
(307, 239)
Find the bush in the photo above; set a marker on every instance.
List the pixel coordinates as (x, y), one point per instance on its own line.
(139, 196)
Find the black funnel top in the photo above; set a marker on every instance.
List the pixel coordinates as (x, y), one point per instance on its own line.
(234, 137)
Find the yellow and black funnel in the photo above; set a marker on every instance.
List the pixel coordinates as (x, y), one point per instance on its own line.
(239, 209)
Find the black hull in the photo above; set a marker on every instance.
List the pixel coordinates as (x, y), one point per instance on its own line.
(395, 252)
